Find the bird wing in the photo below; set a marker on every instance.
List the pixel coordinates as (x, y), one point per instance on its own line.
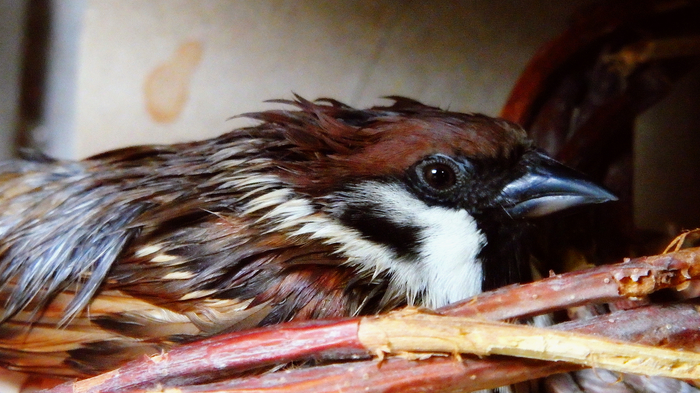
(102, 264)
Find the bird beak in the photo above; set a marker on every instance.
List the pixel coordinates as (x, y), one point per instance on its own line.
(547, 187)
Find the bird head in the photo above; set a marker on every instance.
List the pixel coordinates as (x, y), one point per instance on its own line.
(433, 200)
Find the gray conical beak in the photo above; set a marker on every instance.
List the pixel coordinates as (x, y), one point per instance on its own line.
(547, 187)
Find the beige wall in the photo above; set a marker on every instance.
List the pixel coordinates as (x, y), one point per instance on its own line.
(164, 70)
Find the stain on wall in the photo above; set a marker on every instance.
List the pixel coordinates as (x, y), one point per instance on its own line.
(167, 87)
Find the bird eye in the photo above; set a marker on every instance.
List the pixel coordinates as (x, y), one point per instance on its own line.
(439, 176)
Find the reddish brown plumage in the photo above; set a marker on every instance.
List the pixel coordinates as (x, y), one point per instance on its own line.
(394, 139)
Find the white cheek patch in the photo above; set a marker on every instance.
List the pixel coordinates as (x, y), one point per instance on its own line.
(446, 269)
(450, 244)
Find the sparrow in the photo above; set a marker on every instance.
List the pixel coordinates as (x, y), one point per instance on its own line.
(319, 210)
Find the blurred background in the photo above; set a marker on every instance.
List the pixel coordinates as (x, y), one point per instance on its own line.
(78, 77)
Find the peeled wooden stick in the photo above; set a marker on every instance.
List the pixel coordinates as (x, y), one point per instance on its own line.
(414, 331)
(651, 325)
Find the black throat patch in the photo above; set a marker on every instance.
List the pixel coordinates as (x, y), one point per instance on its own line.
(504, 258)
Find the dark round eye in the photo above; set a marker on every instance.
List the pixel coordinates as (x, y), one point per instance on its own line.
(439, 176)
